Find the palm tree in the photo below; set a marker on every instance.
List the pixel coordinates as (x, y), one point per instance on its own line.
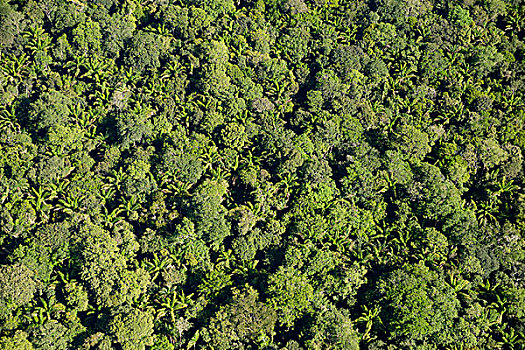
(403, 72)
(171, 301)
(112, 218)
(457, 282)
(156, 265)
(102, 95)
(97, 69)
(510, 338)
(163, 32)
(368, 317)
(288, 181)
(245, 267)
(511, 102)
(107, 193)
(130, 77)
(117, 177)
(70, 204)
(219, 174)
(39, 196)
(13, 66)
(400, 245)
(38, 40)
(179, 188)
(76, 65)
(504, 186)
(226, 258)
(515, 19)
(8, 120)
(485, 212)
(236, 45)
(209, 155)
(347, 34)
(171, 70)
(130, 206)
(215, 280)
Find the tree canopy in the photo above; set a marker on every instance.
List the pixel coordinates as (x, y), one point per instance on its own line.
(249, 174)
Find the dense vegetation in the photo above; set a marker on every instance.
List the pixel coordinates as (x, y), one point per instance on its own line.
(249, 174)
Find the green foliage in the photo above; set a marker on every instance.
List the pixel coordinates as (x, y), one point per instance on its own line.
(412, 141)
(234, 136)
(134, 126)
(435, 197)
(53, 108)
(460, 16)
(418, 304)
(209, 213)
(242, 323)
(16, 342)
(105, 270)
(76, 296)
(144, 52)
(87, 37)
(132, 329)
(17, 287)
(291, 294)
(52, 335)
(12, 24)
(333, 330)
(284, 174)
